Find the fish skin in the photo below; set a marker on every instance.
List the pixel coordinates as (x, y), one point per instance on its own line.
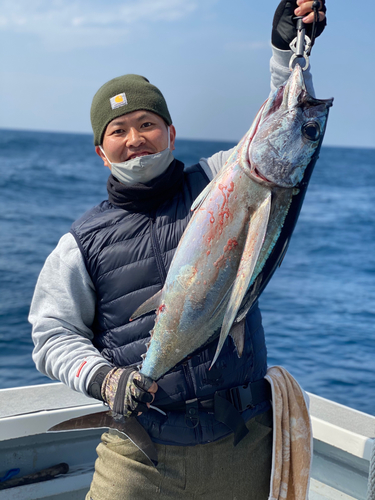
(238, 222)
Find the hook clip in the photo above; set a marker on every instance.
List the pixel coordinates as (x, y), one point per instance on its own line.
(300, 46)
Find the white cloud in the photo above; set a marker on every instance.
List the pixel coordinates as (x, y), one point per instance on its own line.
(89, 22)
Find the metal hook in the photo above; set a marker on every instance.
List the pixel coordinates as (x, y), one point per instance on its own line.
(301, 45)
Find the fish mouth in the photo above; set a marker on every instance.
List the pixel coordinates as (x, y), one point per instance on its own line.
(292, 95)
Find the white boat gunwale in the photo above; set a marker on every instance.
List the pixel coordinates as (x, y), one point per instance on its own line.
(343, 442)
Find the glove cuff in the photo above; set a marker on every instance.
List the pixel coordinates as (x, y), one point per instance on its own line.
(125, 390)
(95, 385)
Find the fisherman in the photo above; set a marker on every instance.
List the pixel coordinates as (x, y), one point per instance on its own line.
(114, 258)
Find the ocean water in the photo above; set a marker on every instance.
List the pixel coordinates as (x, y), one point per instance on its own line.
(318, 310)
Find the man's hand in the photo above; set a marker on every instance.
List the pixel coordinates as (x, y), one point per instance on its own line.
(284, 25)
(128, 392)
(305, 9)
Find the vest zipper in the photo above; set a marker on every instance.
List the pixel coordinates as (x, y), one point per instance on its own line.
(158, 256)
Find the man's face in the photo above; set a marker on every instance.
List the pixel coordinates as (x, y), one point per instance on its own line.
(136, 134)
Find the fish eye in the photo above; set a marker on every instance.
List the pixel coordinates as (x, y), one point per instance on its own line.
(311, 131)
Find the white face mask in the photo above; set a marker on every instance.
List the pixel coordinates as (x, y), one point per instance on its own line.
(143, 168)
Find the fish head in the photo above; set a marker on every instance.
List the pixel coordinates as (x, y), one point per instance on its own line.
(289, 132)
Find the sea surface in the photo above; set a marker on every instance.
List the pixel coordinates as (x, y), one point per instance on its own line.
(318, 309)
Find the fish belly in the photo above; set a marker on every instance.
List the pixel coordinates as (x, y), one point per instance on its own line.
(202, 272)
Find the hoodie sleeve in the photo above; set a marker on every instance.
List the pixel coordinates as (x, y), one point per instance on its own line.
(62, 312)
(279, 68)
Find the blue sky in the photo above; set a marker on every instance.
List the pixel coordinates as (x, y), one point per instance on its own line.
(210, 58)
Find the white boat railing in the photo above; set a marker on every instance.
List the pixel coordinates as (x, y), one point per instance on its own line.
(343, 443)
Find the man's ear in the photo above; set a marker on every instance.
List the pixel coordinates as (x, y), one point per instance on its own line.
(172, 132)
(100, 153)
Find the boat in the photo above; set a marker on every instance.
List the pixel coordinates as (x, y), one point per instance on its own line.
(343, 446)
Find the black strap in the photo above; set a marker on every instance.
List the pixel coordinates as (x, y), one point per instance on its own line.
(247, 396)
(314, 29)
(229, 403)
(118, 403)
(227, 414)
(241, 397)
(227, 406)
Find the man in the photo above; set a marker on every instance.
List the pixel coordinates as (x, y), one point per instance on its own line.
(114, 258)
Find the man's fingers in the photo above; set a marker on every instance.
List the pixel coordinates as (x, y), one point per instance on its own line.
(141, 408)
(305, 9)
(310, 18)
(144, 397)
(301, 3)
(153, 388)
(153, 397)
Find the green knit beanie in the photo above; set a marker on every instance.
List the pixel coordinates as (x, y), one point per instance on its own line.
(123, 95)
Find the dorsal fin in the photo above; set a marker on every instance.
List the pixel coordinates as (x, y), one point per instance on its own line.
(150, 305)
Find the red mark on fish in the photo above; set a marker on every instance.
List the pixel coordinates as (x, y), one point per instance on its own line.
(231, 244)
(220, 216)
(220, 261)
(225, 213)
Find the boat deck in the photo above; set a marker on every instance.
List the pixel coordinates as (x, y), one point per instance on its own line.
(343, 440)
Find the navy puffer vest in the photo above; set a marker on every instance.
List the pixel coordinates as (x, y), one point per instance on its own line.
(127, 255)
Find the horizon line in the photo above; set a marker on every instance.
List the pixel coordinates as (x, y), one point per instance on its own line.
(233, 141)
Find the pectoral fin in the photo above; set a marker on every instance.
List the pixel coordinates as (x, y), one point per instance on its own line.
(201, 197)
(109, 420)
(254, 241)
(149, 305)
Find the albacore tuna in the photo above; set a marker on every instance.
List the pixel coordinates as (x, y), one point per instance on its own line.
(240, 230)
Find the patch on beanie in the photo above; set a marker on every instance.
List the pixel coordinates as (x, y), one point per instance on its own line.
(118, 100)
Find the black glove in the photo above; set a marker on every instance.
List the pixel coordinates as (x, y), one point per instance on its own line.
(125, 390)
(284, 25)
